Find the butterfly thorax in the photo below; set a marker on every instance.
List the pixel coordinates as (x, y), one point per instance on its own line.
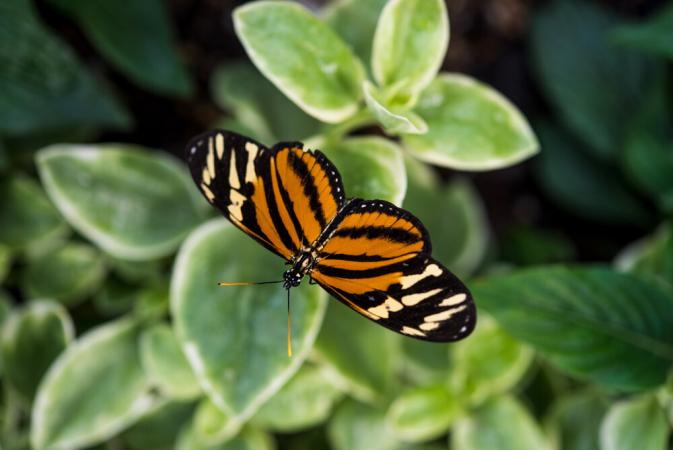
(302, 264)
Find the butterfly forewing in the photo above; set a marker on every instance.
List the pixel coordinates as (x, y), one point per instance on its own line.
(376, 259)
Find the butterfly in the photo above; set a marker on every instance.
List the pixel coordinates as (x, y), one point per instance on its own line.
(369, 254)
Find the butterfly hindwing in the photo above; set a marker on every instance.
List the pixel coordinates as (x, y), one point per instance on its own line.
(281, 196)
(376, 259)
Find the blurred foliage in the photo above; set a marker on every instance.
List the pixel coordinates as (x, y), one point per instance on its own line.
(114, 334)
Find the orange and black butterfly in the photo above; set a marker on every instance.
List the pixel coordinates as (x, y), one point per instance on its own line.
(368, 254)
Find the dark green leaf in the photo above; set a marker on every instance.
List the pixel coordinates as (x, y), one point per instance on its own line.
(652, 255)
(115, 297)
(527, 246)
(612, 328)
(31, 340)
(652, 35)
(159, 429)
(582, 185)
(592, 84)
(136, 37)
(575, 420)
(5, 261)
(44, 86)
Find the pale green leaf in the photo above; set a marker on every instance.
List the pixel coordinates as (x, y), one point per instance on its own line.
(574, 421)
(122, 197)
(68, 274)
(423, 413)
(95, 389)
(371, 167)
(651, 255)
(27, 217)
(239, 333)
(639, 423)
(470, 127)
(409, 44)
(489, 363)
(356, 426)
(211, 426)
(159, 428)
(249, 439)
(392, 121)
(502, 423)
(305, 401)
(137, 39)
(31, 339)
(615, 329)
(166, 365)
(302, 56)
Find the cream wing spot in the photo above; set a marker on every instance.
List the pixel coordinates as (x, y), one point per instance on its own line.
(210, 159)
(431, 270)
(235, 208)
(219, 145)
(234, 182)
(252, 150)
(208, 193)
(205, 176)
(412, 299)
(429, 326)
(389, 305)
(444, 315)
(412, 331)
(453, 300)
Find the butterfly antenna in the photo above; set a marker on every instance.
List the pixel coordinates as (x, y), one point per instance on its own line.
(289, 337)
(246, 283)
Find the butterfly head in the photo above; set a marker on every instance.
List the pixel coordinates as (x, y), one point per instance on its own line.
(292, 278)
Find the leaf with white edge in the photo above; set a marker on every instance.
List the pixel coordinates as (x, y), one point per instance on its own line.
(305, 401)
(652, 35)
(237, 333)
(258, 105)
(651, 255)
(249, 439)
(574, 421)
(123, 197)
(144, 50)
(502, 423)
(27, 217)
(371, 167)
(355, 21)
(410, 43)
(100, 377)
(68, 274)
(166, 365)
(592, 84)
(392, 121)
(211, 426)
(303, 57)
(358, 354)
(488, 364)
(159, 428)
(470, 127)
(612, 328)
(454, 215)
(423, 413)
(31, 339)
(356, 426)
(639, 423)
(45, 87)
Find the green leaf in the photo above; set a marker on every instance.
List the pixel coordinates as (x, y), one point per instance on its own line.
(409, 44)
(238, 333)
(69, 274)
(612, 328)
(424, 362)
(5, 261)
(137, 39)
(355, 21)
(592, 85)
(166, 365)
(95, 389)
(211, 426)
(596, 192)
(652, 255)
(249, 439)
(32, 338)
(44, 85)
(137, 272)
(470, 127)
(371, 167)
(158, 429)
(503, 424)
(393, 122)
(306, 60)
(27, 217)
(526, 246)
(356, 426)
(488, 364)
(123, 197)
(647, 157)
(256, 103)
(454, 216)
(359, 353)
(115, 297)
(636, 423)
(574, 421)
(305, 401)
(652, 35)
(423, 413)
